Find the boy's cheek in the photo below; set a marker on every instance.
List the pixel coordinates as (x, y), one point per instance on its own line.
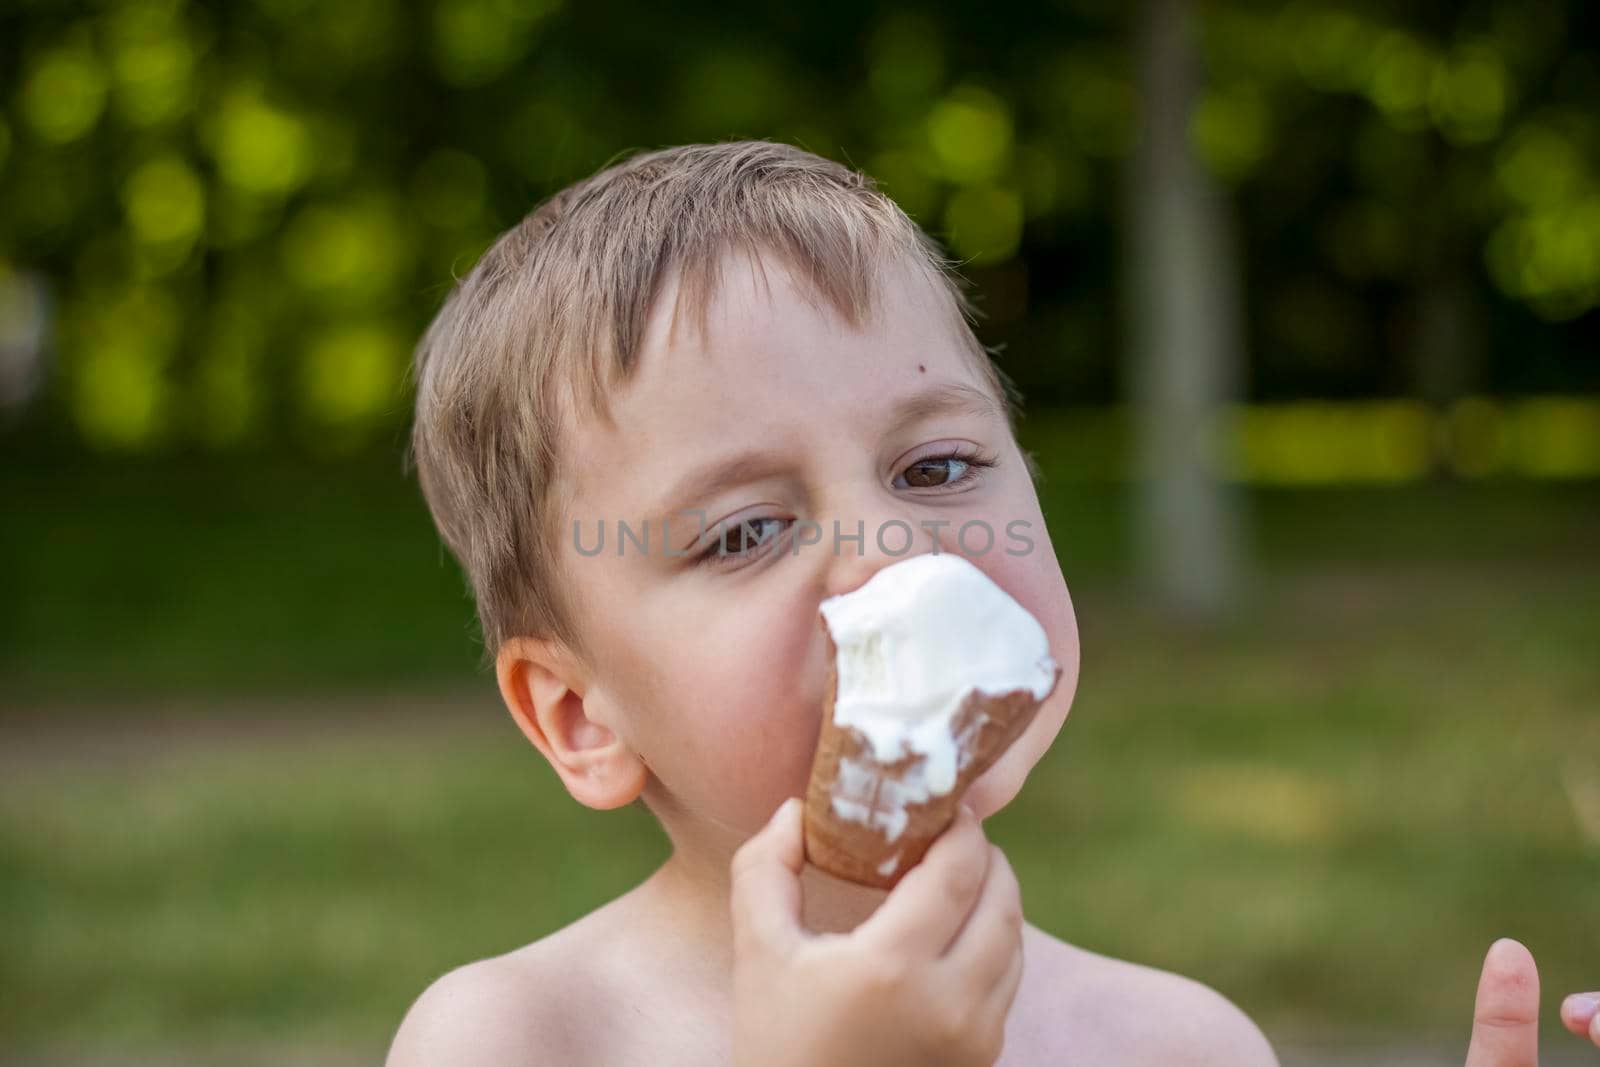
(747, 755)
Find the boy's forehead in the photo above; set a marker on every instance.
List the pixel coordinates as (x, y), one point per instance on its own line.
(759, 292)
(775, 365)
(773, 347)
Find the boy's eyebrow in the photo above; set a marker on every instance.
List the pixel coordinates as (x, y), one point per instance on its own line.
(946, 398)
(949, 398)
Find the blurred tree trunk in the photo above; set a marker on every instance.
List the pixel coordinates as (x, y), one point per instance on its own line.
(1449, 352)
(1447, 340)
(1183, 330)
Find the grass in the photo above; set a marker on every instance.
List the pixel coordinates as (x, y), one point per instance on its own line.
(1331, 811)
(138, 579)
(1327, 808)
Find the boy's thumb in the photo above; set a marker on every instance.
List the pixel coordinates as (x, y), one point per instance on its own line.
(766, 883)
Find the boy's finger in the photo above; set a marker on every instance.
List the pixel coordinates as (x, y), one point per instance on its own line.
(1505, 1020)
(1580, 1011)
(1004, 992)
(765, 872)
(922, 913)
(982, 949)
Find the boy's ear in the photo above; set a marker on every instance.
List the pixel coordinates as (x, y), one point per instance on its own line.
(544, 688)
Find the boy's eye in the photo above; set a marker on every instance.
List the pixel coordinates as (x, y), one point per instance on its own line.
(742, 539)
(941, 472)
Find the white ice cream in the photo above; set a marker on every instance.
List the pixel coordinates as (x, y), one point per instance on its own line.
(913, 642)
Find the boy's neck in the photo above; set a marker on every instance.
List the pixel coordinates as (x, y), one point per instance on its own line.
(691, 892)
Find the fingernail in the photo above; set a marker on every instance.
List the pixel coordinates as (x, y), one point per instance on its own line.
(1581, 1005)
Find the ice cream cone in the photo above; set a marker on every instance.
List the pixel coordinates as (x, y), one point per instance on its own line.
(870, 821)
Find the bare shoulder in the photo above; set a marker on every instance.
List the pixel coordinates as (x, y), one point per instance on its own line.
(1136, 1015)
(473, 1015)
(516, 1008)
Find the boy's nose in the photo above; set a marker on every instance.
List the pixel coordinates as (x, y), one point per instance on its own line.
(864, 544)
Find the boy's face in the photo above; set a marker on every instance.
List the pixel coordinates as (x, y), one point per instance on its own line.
(713, 669)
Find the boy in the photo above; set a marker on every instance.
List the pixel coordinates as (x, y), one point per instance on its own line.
(660, 421)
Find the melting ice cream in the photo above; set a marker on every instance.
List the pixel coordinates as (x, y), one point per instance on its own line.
(912, 644)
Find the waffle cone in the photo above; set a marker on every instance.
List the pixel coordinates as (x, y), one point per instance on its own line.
(984, 727)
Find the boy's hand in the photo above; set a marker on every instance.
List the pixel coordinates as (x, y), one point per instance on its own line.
(1505, 1020)
(928, 979)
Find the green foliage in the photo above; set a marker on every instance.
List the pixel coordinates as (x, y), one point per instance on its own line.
(1475, 107)
(246, 213)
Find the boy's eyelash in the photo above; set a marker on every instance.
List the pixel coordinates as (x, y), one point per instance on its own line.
(975, 461)
(711, 557)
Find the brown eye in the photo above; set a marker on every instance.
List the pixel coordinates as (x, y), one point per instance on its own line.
(742, 540)
(932, 473)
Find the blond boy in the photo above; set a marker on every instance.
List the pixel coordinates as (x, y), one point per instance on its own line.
(756, 363)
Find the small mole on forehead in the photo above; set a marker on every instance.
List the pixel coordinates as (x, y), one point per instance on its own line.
(921, 369)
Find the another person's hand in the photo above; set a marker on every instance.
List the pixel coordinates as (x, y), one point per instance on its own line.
(928, 979)
(1505, 1021)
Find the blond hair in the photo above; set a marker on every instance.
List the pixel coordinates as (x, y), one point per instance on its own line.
(551, 317)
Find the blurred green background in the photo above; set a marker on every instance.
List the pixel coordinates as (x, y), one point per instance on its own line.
(1337, 727)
